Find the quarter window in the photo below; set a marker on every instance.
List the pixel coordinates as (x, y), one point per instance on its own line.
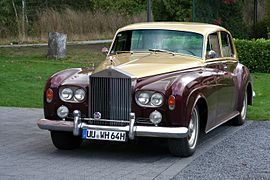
(213, 45)
(227, 49)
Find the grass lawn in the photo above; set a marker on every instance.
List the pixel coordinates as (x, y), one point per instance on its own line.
(24, 72)
(261, 105)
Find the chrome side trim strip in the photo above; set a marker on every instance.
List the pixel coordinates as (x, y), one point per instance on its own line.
(226, 119)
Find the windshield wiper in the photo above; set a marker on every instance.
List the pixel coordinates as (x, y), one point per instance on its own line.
(162, 50)
(120, 52)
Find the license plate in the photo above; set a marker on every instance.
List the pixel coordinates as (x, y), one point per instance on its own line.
(104, 135)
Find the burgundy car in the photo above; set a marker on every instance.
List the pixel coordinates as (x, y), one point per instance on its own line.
(164, 80)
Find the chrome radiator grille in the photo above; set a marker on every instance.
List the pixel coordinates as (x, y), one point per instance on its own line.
(111, 97)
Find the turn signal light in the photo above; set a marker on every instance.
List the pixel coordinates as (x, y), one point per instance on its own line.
(49, 95)
(171, 102)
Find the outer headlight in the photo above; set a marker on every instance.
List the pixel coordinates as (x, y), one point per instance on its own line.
(143, 98)
(79, 94)
(66, 94)
(157, 99)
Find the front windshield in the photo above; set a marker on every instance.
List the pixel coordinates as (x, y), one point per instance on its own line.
(187, 43)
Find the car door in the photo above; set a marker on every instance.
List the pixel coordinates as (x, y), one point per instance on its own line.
(213, 65)
(227, 98)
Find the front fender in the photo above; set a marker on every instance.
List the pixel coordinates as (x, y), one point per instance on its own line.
(75, 77)
(186, 90)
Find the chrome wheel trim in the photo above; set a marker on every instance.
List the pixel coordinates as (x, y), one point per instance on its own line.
(193, 128)
(244, 108)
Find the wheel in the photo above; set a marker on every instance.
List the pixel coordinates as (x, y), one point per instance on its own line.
(65, 140)
(241, 118)
(184, 147)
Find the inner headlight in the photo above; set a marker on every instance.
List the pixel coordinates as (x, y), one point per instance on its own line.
(143, 98)
(79, 94)
(157, 99)
(149, 99)
(66, 94)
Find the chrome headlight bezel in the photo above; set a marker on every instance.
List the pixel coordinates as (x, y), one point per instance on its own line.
(66, 94)
(75, 90)
(79, 94)
(142, 95)
(157, 99)
(149, 103)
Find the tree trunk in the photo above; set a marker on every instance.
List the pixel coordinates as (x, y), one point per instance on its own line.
(57, 45)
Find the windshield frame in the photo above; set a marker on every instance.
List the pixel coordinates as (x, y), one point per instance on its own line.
(175, 53)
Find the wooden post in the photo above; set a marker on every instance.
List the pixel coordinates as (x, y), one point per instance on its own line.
(57, 45)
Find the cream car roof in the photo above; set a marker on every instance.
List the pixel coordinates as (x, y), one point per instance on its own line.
(200, 28)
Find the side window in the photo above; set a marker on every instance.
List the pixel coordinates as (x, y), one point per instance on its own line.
(213, 48)
(226, 41)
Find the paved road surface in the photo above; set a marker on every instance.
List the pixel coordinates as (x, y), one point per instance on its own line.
(228, 152)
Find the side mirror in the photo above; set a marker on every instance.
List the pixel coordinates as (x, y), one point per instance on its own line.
(211, 54)
(104, 50)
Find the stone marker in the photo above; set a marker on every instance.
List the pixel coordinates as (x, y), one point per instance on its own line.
(57, 45)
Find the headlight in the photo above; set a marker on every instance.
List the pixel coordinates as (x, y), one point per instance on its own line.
(143, 98)
(157, 99)
(66, 94)
(79, 94)
(149, 99)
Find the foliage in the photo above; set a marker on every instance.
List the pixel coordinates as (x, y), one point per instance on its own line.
(12, 21)
(129, 7)
(7, 18)
(261, 29)
(82, 25)
(227, 13)
(172, 10)
(255, 54)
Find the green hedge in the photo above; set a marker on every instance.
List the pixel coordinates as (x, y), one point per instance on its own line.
(255, 54)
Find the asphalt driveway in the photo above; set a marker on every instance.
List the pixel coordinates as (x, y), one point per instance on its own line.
(229, 152)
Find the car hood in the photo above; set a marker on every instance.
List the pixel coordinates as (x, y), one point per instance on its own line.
(149, 64)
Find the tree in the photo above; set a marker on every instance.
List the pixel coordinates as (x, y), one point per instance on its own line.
(227, 13)
(172, 10)
(129, 7)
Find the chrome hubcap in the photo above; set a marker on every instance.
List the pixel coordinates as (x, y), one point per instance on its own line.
(244, 108)
(193, 128)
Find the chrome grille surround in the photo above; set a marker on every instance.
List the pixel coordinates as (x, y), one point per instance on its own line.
(110, 95)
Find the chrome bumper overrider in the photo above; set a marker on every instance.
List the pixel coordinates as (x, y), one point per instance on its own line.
(132, 130)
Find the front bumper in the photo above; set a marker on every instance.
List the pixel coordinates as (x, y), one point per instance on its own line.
(146, 131)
